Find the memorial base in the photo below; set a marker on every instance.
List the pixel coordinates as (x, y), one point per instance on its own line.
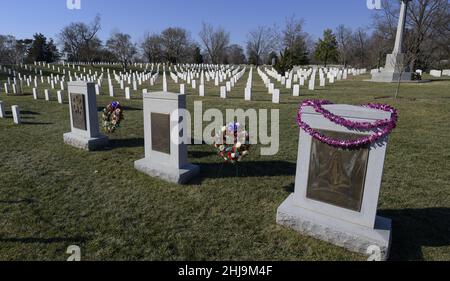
(355, 238)
(170, 174)
(89, 144)
(391, 77)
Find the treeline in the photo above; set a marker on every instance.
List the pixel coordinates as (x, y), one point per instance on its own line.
(427, 43)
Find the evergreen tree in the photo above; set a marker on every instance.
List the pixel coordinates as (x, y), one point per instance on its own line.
(327, 48)
(41, 50)
(198, 57)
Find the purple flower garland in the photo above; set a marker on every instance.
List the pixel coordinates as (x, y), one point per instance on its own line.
(382, 127)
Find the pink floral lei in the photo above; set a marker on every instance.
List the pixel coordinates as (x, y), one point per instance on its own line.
(382, 128)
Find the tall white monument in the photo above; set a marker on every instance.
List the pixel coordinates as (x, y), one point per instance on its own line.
(395, 62)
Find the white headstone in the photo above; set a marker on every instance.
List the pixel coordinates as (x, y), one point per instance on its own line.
(2, 110)
(276, 96)
(311, 85)
(111, 90)
(60, 97)
(223, 92)
(202, 90)
(336, 191)
(166, 155)
(16, 114)
(248, 94)
(85, 133)
(296, 90)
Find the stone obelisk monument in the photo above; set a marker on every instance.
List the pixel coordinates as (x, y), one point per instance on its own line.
(395, 62)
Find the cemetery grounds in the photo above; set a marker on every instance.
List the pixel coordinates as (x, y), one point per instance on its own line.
(53, 195)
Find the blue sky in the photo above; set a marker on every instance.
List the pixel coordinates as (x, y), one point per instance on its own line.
(136, 17)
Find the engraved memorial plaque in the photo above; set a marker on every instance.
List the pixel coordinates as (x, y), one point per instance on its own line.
(337, 176)
(160, 124)
(78, 111)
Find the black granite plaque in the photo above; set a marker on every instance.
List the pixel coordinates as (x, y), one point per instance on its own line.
(337, 176)
(78, 111)
(160, 132)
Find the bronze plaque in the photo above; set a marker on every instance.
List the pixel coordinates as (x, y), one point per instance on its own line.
(160, 132)
(337, 176)
(78, 111)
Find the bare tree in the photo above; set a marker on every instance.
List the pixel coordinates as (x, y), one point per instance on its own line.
(177, 45)
(215, 42)
(80, 40)
(260, 43)
(121, 46)
(152, 48)
(361, 40)
(344, 38)
(235, 55)
(427, 24)
(8, 54)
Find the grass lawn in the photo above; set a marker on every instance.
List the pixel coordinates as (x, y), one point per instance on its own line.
(53, 195)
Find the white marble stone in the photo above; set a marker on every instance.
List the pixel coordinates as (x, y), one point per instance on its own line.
(60, 97)
(111, 91)
(436, 73)
(202, 90)
(395, 62)
(173, 166)
(276, 96)
(296, 90)
(16, 114)
(311, 85)
(182, 89)
(248, 94)
(223, 92)
(91, 138)
(2, 110)
(354, 230)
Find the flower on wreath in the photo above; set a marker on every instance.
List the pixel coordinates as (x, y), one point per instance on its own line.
(112, 117)
(233, 143)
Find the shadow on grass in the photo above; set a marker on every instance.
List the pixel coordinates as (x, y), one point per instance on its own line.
(245, 170)
(125, 143)
(289, 188)
(29, 113)
(200, 154)
(36, 123)
(17, 202)
(34, 240)
(125, 108)
(413, 229)
(22, 113)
